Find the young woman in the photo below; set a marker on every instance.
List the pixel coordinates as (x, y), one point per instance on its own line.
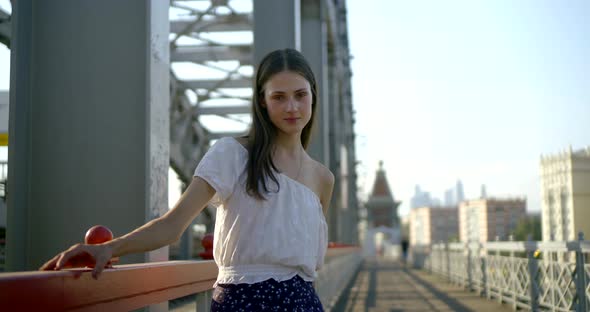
(270, 231)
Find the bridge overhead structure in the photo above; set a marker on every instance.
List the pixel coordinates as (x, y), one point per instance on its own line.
(211, 76)
(89, 103)
(214, 46)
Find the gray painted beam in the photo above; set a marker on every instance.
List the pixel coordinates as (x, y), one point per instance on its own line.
(224, 110)
(227, 23)
(4, 15)
(314, 46)
(219, 135)
(214, 84)
(99, 152)
(277, 25)
(201, 54)
(5, 26)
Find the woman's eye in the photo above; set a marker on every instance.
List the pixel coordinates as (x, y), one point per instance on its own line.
(278, 97)
(301, 94)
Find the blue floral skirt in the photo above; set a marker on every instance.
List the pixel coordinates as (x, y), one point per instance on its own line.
(294, 294)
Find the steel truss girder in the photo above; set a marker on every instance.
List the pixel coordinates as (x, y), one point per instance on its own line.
(202, 54)
(211, 84)
(219, 23)
(223, 110)
(189, 138)
(5, 28)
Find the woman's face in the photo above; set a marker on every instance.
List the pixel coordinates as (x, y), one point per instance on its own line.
(288, 100)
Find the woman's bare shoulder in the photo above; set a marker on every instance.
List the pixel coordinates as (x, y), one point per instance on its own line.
(242, 140)
(324, 184)
(323, 174)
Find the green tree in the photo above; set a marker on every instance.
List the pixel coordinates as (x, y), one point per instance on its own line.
(453, 238)
(529, 225)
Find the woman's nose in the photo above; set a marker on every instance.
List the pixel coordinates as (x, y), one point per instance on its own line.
(292, 105)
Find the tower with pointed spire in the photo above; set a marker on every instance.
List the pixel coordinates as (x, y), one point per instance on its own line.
(382, 206)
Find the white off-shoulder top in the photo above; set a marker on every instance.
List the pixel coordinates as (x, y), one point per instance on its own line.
(255, 240)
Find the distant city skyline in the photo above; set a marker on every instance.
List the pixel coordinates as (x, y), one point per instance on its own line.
(451, 197)
(476, 90)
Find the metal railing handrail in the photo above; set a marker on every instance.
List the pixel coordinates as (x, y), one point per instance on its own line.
(123, 288)
(519, 246)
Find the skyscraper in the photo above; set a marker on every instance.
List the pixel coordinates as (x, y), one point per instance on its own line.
(483, 193)
(460, 195)
(420, 198)
(449, 200)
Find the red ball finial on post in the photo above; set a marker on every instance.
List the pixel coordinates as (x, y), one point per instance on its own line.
(98, 234)
(207, 243)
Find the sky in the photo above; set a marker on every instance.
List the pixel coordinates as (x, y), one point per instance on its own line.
(471, 90)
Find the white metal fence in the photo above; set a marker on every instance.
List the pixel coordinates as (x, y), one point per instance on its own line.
(538, 276)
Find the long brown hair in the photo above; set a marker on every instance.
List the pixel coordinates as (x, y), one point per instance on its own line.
(262, 135)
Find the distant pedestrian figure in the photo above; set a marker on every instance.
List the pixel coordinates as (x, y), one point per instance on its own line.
(404, 250)
(272, 197)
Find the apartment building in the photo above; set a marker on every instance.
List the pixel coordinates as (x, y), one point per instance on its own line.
(485, 219)
(432, 224)
(565, 195)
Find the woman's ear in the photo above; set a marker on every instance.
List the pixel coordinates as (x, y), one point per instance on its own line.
(263, 103)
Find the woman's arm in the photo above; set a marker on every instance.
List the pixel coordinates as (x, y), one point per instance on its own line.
(152, 235)
(169, 227)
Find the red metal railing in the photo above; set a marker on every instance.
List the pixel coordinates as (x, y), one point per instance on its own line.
(123, 288)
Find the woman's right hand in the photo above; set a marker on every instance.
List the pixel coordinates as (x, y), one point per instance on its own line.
(82, 255)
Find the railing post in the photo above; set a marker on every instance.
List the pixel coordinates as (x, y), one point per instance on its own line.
(511, 279)
(443, 254)
(203, 303)
(499, 272)
(432, 255)
(435, 257)
(483, 254)
(469, 267)
(552, 278)
(437, 260)
(581, 281)
(533, 266)
(448, 255)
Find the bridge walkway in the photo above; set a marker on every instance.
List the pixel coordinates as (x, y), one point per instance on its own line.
(388, 286)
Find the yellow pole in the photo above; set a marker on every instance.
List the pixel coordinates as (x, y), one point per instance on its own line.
(3, 139)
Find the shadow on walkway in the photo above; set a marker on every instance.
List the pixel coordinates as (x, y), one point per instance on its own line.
(451, 302)
(382, 285)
